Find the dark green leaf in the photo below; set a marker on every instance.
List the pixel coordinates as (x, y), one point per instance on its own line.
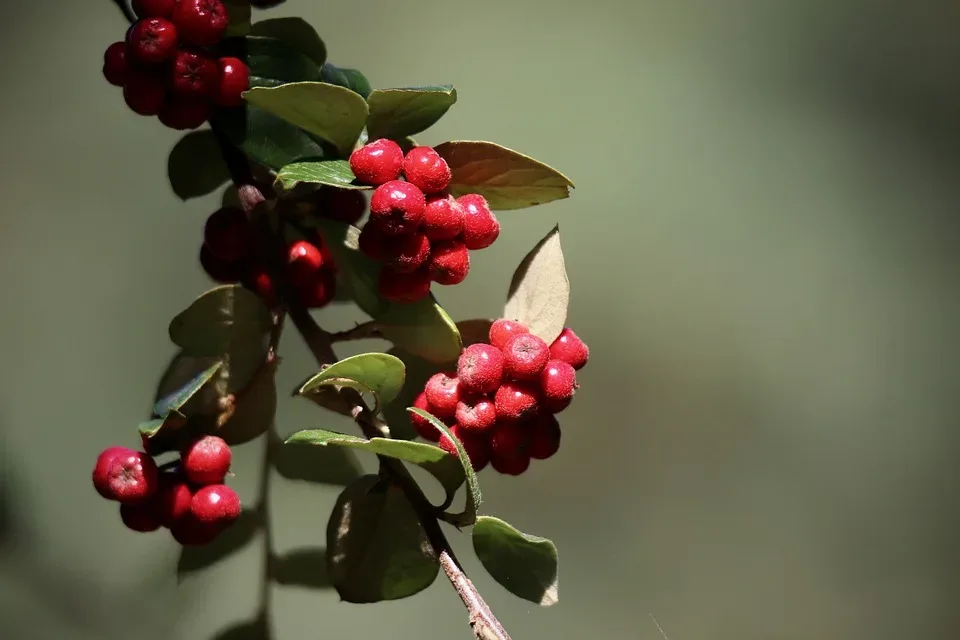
(348, 78)
(507, 179)
(295, 32)
(166, 433)
(220, 319)
(195, 166)
(418, 372)
(398, 113)
(526, 565)
(180, 397)
(336, 466)
(335, 173)
(301, 568)
(257, 629)
(539, 291)
(377, 548)
(254, 412)
(330, 112)
(474, 331)
(381, 373)
(234, 538)
(239, 13)
(272, 61)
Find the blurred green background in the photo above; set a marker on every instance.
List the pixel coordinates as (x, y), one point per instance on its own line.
(761, 247)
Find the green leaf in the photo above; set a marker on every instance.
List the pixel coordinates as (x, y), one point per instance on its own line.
(526, 565)
(325, 110)
(334, 173)
(255, 410)
(239, 12)
(381, 373)
(176, 400)
(377, 548)
(220, 319)
(333, 466)
(469, 515)
(295, 32)
(166, 433)
(507, 179)
(272, 61)
(233, 538)
(395, 413)
(398, 113)
(348, 78)
(301, 568)
(474, 331)
(195, 166)
(539, 291)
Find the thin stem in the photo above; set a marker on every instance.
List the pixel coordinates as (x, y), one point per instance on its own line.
(360, 332)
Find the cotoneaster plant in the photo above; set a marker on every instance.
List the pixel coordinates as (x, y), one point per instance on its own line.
(328, 198)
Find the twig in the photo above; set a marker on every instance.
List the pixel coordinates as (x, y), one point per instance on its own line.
(359, 332)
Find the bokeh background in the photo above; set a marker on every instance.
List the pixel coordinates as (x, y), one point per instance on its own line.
(762, 249)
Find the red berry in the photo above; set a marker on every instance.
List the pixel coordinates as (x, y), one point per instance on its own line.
(373, 242)
(443, 394)
(443, 218)
(397, 207)
(153, 8)
(140, 517)
(115, 63)
(408, 253)
(516, 401)
(477, 447)
(215, 504)
(480, 369)
(377, 162)
(144, 91)
(319, 291)
(558, 382)
(191, 532)
(259, 282)
(480, 227)
(151, 41)
(502, 330)
(404, 287)
(201, 22)
(570, 348)
(184, 113)
(544, 437)
(524, 356)
(424, 167)
(450, 262)
(305, 261)
(194, 74)
(345, 205)
(173, 499)
(125, 475)
(207, 460)
(509, 441)
(232, 81)
(219, 270)
(510, 466)
(424, 427)
(476, 414)
(227, 234)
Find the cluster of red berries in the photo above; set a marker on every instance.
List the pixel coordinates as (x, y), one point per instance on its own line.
(418, 231)
(502, 401)
(163, 68)
(190, 499)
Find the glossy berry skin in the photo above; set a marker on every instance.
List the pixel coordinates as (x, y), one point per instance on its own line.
(200, 22)
(480, 227)
(152, 41)
(173, 499)
(233, 80)
(115, 63)
(502, 330)
(442, 218)
(510, 466)
(423, 426)
(516, 401)
(408, 253)
(570, 348)
(215, 504)
(443, 394)
(219, 270)
(320, 290)
(345, 205)
(404, 287)
(142, 517)
(450, 262)
(184, 114)
(480, 369)
(374, 243)
(190, 532)
(544, 439)
(524, 356)
(144, 91)
(558, 383)
(227, 234)
(477, 447)
(153, 8)
(207, 460)
(193, 74)
(509, 441)
(305, 260)
(397, 207)
(476, 414)
(125, 475)
(424, 167)
(377, 162)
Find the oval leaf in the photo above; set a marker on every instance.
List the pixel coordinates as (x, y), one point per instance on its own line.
(334, 173)
(506, 178)
(398, 113)
(348, 78)
(540, 292)
(180, 397)
(195, 166)
(333, 465)
(295, 32)
(220, 319)
(376, 547)
(166, 433)
(381, 373)
(526, 565)
(272, 61)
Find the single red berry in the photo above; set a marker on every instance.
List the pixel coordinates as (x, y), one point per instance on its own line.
(193, 74)
(510, 466)
(125, 475)
(215, 504)
(443, 218)
(509, 441)
(151, 41)
(232, 81)
(476, 414)
(227, 234)
(397, 207)
(516, 401)
(259, 282)
(502, 330)
(304, 260)
(219, 270)
(320, 290)
(141, 517)
(443, 394)
(480, 227)
(173, 499)
(558, 383)
(524, 356)
(190, 532)
(184, 114)
(544, 437)
(424, 427)
(345, 205)
(424, 167)
(477, 447)
(201, 22)
(408, 252)
(480, 368)
(450, 262)
(115, 63)
(404, 287)
(377, 162)
(207, 460)
(144, 91)
(570, 348)
(153, 8)
(373, 242)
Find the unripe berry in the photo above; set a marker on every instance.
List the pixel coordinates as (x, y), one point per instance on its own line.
(190, 532)
(476, 414)
(544, 437)
(153, 8)
(480, 227)
(151, 41)
(201, 22)
(450, 262)
(173, 499)
(570, 348)
(502, 330)
(377, 162)
(125, 475)
(193, 74)
(558, 383)
(227, 234)
(304, 260)
(397, 207)
(184, 114)
(345, 205)
(480, 369)
(144, 91)
(141, 517)
(373, 242)
(320, 290)
(404, 287)
(232, 81)
(207, 460)
(219, 270)
(215, 504)
(509, 441)
(516, 401)
(443, 218)
(477, 447)
(524, 356)
(424, 167)
(510, 466)
(408, 253)
(443, 394)
(259, 282)
(115, 63)
(424, 428)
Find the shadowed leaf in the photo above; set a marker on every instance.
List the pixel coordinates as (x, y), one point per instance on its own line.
(418, 372)
(347, 78)
(380, 373)
(398, 113)
(296, 33)
(526, 565)
(301, 568)
(474, 331)
(237, 536)
(195, 166)
(334, 465)
(176, 400)
(220, 320)
(239, 13)
(539, 291)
